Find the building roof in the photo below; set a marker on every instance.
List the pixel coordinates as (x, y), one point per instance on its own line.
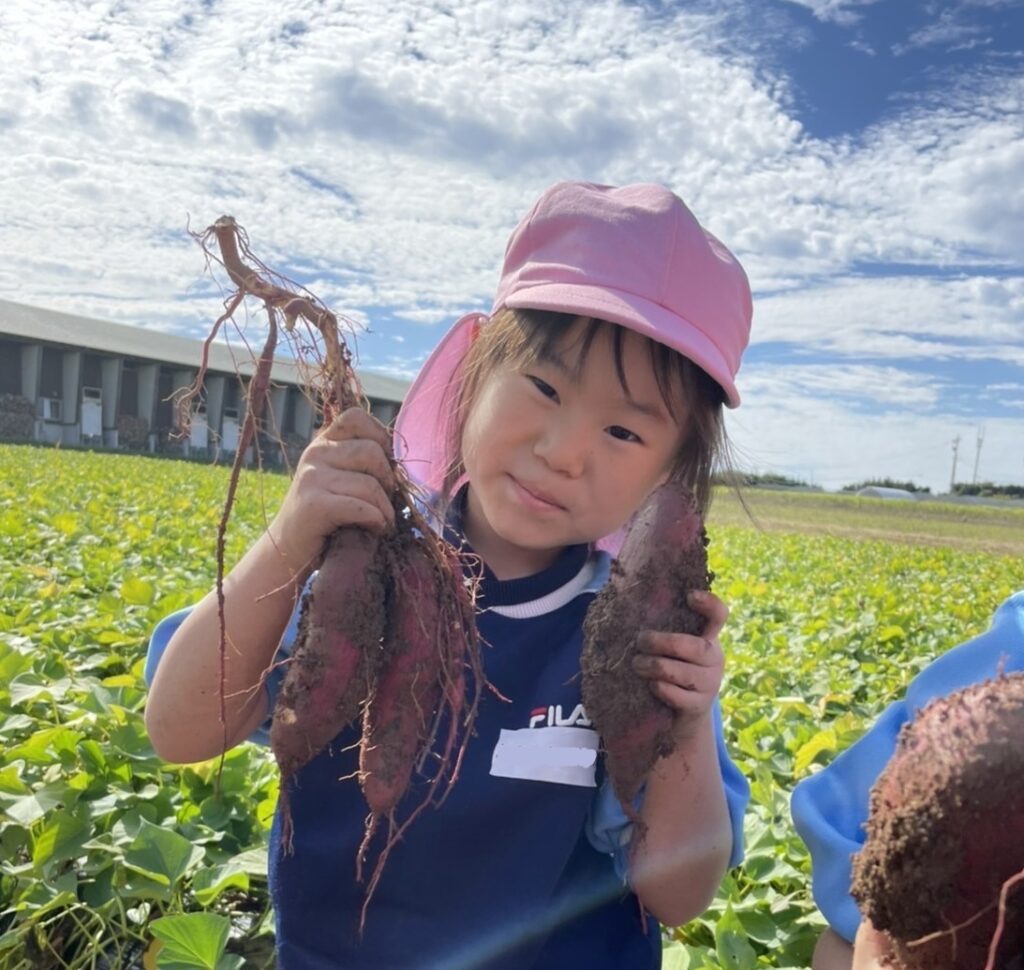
(144, 343)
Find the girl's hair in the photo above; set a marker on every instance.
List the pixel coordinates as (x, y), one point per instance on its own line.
(519, 337)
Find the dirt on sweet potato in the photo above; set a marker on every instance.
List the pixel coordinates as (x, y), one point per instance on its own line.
(942, 869)
(663, 558)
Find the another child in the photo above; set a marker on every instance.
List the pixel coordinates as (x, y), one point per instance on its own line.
(602, 371)
(831, 807)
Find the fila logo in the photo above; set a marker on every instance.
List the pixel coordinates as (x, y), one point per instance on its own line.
(552, 717)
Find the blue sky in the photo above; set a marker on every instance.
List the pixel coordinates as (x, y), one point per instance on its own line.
(863, 158)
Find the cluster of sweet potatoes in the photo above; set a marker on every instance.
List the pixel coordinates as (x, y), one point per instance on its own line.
(387, 636)
(387, 633)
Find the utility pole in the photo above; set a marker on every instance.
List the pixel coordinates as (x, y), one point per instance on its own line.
(977, 453)
(956, 448)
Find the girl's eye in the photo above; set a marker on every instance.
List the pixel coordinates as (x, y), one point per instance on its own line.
(546, 389)
(622, 434)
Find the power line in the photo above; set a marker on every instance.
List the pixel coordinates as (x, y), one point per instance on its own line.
(956, 448)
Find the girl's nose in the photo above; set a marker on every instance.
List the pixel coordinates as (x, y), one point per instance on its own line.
(564, 448)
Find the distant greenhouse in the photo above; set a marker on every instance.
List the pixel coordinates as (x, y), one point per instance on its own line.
(78, 381)
(880, 491)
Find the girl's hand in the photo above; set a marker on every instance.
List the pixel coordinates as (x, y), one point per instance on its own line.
(344, 477)
(684, 671)
(871, 948)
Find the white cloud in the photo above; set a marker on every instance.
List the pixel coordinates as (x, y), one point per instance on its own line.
(1011, 386)
(842, 12)
(950, 31)
(402, 114)
(830, 444)
(910, 317)
(864, 47)
(883, 388)
(382, 151)
(406, 120)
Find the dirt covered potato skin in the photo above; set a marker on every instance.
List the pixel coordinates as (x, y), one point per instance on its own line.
(946, 832)
(663, 557)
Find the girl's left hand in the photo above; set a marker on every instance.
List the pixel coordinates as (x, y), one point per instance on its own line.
(685, 671)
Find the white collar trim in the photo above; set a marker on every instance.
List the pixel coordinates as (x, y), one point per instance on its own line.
(588, 580)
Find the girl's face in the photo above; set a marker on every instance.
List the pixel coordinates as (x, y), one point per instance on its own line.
(558, 452)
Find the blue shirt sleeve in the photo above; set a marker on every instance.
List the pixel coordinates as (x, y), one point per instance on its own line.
(830, 808)
(610, 831)
(167, 627)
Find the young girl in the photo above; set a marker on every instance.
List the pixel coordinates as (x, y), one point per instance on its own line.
(831, 807)
(602, 371)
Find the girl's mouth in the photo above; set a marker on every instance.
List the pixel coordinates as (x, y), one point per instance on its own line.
(535, 500)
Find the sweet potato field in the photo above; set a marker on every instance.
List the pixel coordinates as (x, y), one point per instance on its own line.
(111, 859)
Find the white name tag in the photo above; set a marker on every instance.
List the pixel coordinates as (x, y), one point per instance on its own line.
(563, 755)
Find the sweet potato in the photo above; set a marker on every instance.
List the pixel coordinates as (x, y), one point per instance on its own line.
(663, 557)
(940, 869)
(397, 717)
(337, 654)
(428, 647)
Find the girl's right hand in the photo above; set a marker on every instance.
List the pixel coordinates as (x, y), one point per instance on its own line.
(344, 477)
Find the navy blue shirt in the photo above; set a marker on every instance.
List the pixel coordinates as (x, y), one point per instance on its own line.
(502, 870)
(505, 875)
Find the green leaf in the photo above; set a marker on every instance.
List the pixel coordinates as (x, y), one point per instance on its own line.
(161, 855)
(759, 927)
(12, 663)
(822, 742)
(109, 603)
(98, 889)
(60, 838)
(10, 779)
(12, 523)
(796, 704)
(135, 887)
(215, 812)
(33, 807)
(195, 940)
(92, 756)
(798, 665)
(31, 687)
(252, 861)
(209, 883)
(137, 592)
(675, 956)
(132, 740)
(43, 896)
(760, 866)
(41, 746)
(65, 522)
(731, 943)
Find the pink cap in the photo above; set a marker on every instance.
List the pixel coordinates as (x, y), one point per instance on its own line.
(633, 255)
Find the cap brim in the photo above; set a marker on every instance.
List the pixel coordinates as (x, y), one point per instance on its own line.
(638, 314)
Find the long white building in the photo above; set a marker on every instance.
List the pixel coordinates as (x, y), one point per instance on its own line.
(80, 381)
